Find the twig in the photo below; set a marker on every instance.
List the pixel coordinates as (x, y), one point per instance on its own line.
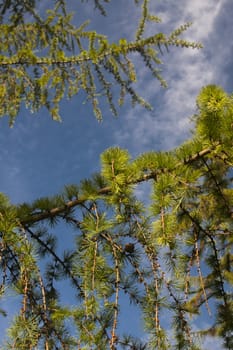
(114, 338)
(200, 274)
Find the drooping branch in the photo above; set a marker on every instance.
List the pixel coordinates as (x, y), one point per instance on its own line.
(48, 58)
(210, 237)
(56, 257)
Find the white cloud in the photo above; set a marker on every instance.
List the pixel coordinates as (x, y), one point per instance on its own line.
(185, 70)
(202, 14)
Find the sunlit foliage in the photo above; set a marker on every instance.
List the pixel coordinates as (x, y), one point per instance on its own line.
(45, 57)
(172, 260)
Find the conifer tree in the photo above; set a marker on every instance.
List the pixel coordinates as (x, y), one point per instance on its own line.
(172, 260)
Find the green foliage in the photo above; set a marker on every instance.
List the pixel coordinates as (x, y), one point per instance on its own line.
(4, 201)
(24, 332)
(215, 115)
(48, 58)
(171, 260)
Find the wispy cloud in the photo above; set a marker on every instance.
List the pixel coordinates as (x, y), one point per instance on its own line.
(186, 71)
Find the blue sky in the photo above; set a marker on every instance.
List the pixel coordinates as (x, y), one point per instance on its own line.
(39, 156)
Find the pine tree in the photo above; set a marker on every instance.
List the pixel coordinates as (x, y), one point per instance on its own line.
(172, 260)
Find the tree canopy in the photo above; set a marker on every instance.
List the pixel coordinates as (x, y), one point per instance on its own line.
(171, 258)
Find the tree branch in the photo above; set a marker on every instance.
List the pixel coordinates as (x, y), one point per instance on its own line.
(34, 218)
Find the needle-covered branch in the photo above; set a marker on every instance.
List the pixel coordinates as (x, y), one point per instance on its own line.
(38, 215)
(45, 58)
